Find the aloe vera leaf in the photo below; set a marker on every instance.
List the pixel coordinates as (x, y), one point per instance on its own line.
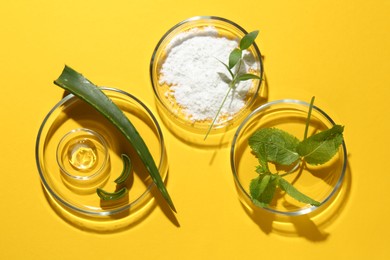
(127, 167)
(84, 89)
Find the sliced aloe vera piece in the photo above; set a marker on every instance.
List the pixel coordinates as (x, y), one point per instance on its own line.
(104, 195)
(84, 89)
(127, 167)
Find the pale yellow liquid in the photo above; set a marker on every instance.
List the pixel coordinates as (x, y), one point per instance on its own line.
(83, 155)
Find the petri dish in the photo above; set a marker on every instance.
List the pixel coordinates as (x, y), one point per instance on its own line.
(318, 182)
(78, 150)
(178, 114)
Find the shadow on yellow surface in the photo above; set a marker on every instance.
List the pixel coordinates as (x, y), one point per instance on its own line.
(310, 226)
(225, 139)
(193, 135)
(107, 224)
(84, 210)
(114, 223)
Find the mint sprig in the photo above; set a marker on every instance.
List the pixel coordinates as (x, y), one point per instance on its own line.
(235, 60)
(272, 145)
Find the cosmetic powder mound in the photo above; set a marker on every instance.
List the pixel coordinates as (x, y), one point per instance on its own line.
(197, 80)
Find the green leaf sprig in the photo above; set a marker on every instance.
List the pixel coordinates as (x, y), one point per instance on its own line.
(77, 84)
(235, 58)
(272, 145)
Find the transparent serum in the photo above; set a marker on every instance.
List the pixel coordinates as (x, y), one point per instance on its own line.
(83, 155)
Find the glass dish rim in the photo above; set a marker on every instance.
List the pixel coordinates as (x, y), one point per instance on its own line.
(242, 125)
(107, 212)
(194, 19)
(91, 132)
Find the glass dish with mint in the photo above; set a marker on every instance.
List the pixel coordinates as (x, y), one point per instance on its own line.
(288, 157)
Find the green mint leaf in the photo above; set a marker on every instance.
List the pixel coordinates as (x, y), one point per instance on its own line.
(261, 154)
(275, 145)
(234, 57)
(321, 147)
(248, 39)
(258, 185)
(247, 76)
(262, 189)
(262, 168)
(293, 192)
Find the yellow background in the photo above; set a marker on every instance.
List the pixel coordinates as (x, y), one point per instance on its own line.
(338, 51)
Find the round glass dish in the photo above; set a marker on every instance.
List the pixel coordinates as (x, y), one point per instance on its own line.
(82, 155)
(73, 119)
(173, 112)
(320, 183)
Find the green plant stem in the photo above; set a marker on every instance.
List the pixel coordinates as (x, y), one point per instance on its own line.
(308, 118)
(219, 110)
(237, 71)
(296, 166)
(234, 58)
(232, 85)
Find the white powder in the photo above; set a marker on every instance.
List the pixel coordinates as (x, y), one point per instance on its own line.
(197, 80)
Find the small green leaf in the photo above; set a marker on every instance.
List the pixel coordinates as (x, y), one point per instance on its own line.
(293, 192)
(234, 57)
(247, 76)
(264, 183)
(227, 67)
(127, 167)
(262, 189)
(308, 117)
(274, 144)
(248, 40)
(254, 187)
(269, 191)
(261, 155)
(321, 147)
(258, 185)
(104, 195)
(262, 168)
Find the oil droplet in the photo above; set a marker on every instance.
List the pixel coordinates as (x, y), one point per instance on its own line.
(83, 155)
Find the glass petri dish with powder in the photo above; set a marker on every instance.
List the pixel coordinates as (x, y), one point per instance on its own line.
(190, 82)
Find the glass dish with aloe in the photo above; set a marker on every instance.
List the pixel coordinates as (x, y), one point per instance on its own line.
(100, 151)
